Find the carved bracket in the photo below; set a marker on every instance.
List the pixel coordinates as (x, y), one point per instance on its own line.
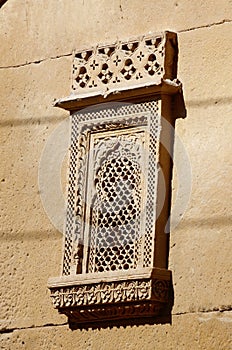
(104, 300)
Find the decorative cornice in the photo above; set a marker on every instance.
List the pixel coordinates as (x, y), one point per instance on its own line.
(122, 70)
(120, 65)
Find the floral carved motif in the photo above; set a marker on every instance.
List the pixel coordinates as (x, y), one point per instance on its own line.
(109, 292)
(161, 289)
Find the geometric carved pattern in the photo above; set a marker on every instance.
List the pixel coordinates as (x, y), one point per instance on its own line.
(116, 209)
(132, 63)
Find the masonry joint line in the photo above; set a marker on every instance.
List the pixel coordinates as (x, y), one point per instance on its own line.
(206, 26)
(36, 61)
(11, 330)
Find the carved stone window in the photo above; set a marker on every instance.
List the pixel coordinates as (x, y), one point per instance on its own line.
(116, 233)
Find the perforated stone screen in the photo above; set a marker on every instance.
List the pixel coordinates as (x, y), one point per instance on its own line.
(112, 187)
(133, 63)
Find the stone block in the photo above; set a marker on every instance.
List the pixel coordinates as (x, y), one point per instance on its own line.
(67, 23)
(31, 247)
(200, 254)
(200, 331)
(204, 66)
(201, 243)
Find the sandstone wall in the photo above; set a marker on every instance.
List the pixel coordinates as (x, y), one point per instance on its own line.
(37, 42)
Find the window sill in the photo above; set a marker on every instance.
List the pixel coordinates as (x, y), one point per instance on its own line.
(100, 297)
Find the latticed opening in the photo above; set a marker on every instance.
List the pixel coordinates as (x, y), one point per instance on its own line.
(112, 144)
(115, 216)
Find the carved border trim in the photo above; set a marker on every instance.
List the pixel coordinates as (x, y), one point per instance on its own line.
(110, 292)
(85, 129)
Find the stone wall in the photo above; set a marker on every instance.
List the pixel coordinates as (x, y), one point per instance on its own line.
(37, 43)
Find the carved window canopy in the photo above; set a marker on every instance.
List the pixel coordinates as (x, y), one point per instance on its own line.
(115, 259)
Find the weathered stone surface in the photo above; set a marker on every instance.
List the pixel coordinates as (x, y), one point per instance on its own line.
(196, 332)
(63, 25)
(27, 120)
(28, 259)
(30, 246)
(201, 244)
(204, 67)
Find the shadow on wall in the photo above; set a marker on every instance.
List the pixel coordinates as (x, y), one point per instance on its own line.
(54, 118)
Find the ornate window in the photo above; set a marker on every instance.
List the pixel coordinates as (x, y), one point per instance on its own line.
(116, 239)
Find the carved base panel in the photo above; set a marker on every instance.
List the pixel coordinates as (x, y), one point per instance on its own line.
(142, 312)
(107, 300)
